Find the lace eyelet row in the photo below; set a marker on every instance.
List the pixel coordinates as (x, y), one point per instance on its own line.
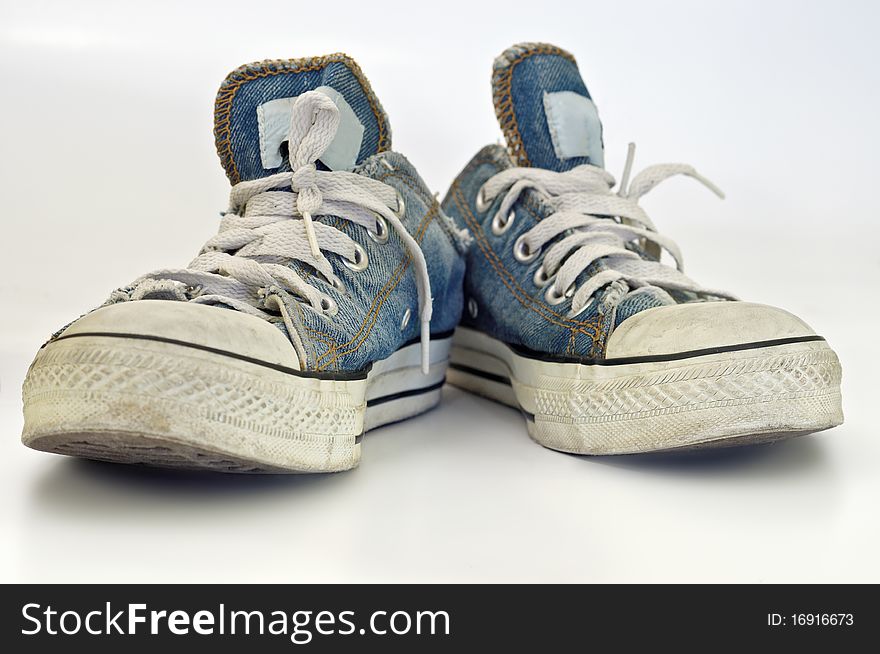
(521, 250)
(361, 260)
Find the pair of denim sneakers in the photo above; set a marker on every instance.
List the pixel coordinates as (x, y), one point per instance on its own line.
(338, 295)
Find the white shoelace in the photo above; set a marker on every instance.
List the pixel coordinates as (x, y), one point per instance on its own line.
(596, 223)
(276, 227)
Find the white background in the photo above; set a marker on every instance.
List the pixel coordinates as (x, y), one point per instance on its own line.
(107, 170)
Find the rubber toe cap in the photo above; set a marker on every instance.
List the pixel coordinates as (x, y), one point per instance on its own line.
(200, 325)
(701, 325)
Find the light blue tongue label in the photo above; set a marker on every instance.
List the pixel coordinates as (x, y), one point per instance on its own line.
(574, 124)
(273, 120)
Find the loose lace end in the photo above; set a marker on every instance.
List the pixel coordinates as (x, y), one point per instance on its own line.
(426, 343)
(311, 236)
(709, 185)
(627, 170)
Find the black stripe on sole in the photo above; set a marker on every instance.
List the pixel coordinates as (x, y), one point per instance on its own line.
(530, 354)
(312, 374)
(657, 358)
(499, 379)
(402, 394)
(550, 358)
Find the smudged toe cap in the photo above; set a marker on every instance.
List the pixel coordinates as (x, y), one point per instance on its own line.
(701, 325)
(194, 324)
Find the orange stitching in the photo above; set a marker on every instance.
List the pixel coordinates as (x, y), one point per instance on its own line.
(572, 339)
(328, 340)
(329, 343)
(501, 81)
(432, 208)
(456, 189)
(248, 72)
(521, 296)
(393, 281)
(384, 294)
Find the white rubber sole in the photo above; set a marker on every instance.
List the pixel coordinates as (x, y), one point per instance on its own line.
(132, 400)
(755, 394)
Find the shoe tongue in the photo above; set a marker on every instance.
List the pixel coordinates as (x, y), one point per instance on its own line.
(545, 110)
(253, 108)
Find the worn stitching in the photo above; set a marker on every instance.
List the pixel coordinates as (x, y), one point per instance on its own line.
(268, 68)
(503, 100)
(396, 277)
(572, 341)
(333, 346)
(518, 292)
(432, 206)
(327, 340)
(477, 162)
(317, 335)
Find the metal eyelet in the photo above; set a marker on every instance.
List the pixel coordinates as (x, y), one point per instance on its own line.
(482, 202)
(500, 226)
(553, 297)
(360, 259)
(335, 282)
(472, 307)
(400, 212)
(329, 306)
(541, 278)
(405, 320)
(522, 252)
(338, 284)
(380, 236)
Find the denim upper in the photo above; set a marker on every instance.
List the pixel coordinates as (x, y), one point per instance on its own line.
(501, 297)
(371, 311)
(246, 88)
(372, 308)
(377, 306)
(522, 78)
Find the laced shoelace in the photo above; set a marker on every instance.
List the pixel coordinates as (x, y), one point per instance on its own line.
(595, 224)
(246, 265)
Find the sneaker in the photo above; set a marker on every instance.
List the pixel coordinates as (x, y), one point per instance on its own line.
(570, 314)
(303, 323)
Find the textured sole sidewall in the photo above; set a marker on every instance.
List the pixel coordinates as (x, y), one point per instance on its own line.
(745, 396)
(171, 394)
(766, 420)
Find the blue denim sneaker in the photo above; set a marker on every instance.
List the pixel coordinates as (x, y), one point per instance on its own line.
(572, 317)
(304, 322)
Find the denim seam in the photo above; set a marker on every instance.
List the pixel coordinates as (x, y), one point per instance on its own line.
(333, 346)
(445, 223)
(393, 281)
(432, 207)
(510, 282)
(572, 342)
(305, 271)
(317, 335)
(326, 340)
(527, 202)
(257, 70)
(501, 81)
(412, 183)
